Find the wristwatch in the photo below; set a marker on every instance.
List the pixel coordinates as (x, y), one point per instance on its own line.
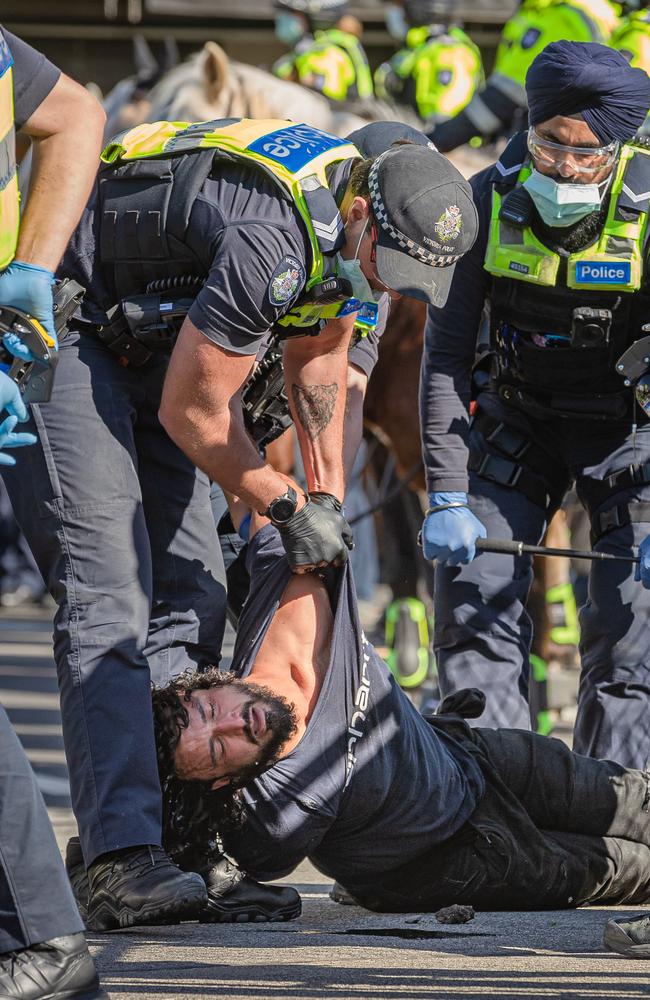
(282, 509)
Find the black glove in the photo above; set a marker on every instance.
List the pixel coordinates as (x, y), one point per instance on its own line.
(317, 535)
(327, 500)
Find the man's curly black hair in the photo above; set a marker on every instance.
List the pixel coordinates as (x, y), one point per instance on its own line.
(195, 816)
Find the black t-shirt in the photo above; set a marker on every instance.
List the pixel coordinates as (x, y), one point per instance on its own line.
(33, 76)
(371, 784)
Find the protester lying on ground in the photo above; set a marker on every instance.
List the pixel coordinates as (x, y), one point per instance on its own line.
(310, 749)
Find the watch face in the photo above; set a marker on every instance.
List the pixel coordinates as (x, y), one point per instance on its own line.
(282, 509)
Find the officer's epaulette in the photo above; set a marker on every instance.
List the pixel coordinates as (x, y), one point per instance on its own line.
(506, 169)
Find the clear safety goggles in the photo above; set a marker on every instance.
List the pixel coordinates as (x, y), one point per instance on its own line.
(585, 160)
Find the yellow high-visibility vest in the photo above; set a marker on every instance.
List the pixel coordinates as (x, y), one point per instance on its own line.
(9, 195)
(295, 155)
(613, 263)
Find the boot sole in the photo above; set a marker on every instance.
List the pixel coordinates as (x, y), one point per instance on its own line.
(221, 913)
(94, 994)
(617, 940)
(106, 917)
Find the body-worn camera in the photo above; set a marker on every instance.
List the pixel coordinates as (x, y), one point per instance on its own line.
(590, 327)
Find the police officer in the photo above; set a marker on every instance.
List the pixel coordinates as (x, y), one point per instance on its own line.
(438, 69)
(501, 106)
(248, 225)
(326, 52)
(43, 951)
(561, 263)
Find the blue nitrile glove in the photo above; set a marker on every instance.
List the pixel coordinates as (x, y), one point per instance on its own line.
(245, 528)
(10, 440)
(642, 569)
(12, 402)
(449, 535)
(29, 288)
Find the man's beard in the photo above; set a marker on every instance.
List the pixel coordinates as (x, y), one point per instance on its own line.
(280, 722)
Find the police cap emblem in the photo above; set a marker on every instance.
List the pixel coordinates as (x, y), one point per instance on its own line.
(287, 280)
(450, 223)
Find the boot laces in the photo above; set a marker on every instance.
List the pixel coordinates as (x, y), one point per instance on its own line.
(144, 860)
(12, 962)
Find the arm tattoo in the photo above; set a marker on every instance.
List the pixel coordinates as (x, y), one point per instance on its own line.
(314, 405)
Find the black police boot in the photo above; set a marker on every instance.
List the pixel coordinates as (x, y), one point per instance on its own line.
(234, 897)
(76, 869)
(140, 885)
(60, 969)
(247, 900)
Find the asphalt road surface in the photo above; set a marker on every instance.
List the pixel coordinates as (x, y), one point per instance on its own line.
(332, 951)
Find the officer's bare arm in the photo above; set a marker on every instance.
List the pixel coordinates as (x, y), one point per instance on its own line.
(315, 372)
(201, 411)
(353, 427)
(66, 129)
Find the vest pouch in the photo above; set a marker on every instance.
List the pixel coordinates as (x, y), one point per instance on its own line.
(566, 369)
(134, 203)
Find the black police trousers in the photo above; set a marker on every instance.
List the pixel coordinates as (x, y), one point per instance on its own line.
(482, 629)
(120, 524)
(36, 902)
(553, 830)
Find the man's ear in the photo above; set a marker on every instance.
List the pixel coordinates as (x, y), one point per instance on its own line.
(219, 783)
(359, 209)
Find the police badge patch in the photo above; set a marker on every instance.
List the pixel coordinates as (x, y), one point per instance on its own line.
(287, 280)
(449, 224)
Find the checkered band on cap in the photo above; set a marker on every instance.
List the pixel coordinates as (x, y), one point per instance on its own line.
(414, 249)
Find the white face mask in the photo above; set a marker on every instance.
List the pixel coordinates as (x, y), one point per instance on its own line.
(561, 205)
(289, 28)
(396, 22)
(351, 269)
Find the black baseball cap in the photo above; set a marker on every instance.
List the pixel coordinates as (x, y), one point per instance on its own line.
(426, 220)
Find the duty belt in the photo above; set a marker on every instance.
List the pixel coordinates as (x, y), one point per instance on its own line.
(538, 479)
(618, 517)
(622, 479)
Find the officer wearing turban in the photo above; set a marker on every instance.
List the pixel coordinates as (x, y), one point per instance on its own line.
(561, 263)
(500, 107)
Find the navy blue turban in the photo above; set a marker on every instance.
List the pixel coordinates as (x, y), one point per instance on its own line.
(594, 81)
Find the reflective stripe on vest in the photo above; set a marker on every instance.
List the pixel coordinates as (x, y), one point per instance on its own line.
(447, 75)
(445, 67)
(613, 264)
(337, 63)
(535, 25)
(9, 196)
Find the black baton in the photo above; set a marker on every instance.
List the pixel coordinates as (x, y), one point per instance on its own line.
(514, 548)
